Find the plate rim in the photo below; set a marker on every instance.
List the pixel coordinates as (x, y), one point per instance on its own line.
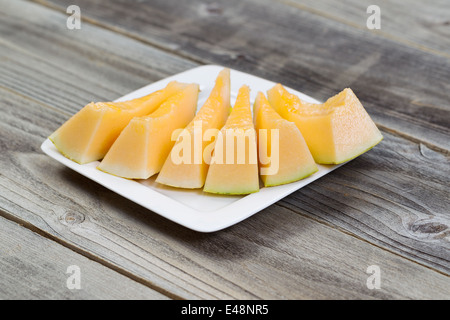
(196, 220)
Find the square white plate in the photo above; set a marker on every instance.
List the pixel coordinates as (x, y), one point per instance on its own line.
(193, 209)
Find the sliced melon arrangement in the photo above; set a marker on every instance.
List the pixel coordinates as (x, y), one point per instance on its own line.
(336, 131)
(287, 157)
(234, 164)
(190, 156)
(142, 147)
(89, 134)
(221, 149)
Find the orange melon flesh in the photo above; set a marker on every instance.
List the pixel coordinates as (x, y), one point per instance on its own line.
(336, 131)
(89, 134)
(191, 173)
(142, 147)
(285, 147)
(234, 165)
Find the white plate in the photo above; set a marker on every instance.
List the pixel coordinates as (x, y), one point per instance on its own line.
(194, 209)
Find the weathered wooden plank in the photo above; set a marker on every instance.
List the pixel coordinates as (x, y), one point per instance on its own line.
(17, 56)
(424, 24)
(396, 196)
(405, 89)
(105, 221)
(304, 256)
(66, 69)
(406, 235)
(64, 214)
(33, 267)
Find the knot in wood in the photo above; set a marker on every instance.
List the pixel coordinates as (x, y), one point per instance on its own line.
(71, 218)
(430, 228)
(214, 9)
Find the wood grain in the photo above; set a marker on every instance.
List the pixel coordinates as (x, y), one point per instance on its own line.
(388, 208)
(424, 25)
(421, 203)
(405, 89)
(395, 196)
(305, 256)
(30, 272)
(67, 69)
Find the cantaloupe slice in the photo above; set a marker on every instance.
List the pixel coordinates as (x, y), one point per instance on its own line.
(284, 156)
(336, 131)
(234, 164)
(89, 134)
(142, 147)
(188, 162)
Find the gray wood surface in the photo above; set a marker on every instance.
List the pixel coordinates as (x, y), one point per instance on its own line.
(33, 267)
(303, 255)
(67, 69)
(404, 88)
(422, 24)
(389, 207)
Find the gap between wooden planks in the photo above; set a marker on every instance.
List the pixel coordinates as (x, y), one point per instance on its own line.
(402, 87)
(18, 123)
(34, 117)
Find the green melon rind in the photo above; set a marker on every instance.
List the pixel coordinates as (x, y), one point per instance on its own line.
(233, 193)
(169, 184)
(355, 156)
(310, 173)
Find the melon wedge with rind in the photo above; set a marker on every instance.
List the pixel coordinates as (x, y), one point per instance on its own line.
(281, 142)
(190, 172)
(89, 134)
(142, 147)
(336, 131)
(234, 165)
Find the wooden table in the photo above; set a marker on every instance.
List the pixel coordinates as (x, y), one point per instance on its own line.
(388, 210)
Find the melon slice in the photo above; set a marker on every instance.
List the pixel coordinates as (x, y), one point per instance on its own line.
(284, 156)
(234, 164)
(188, 162)
(336, 131)
(89, 134)
(142, 147)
